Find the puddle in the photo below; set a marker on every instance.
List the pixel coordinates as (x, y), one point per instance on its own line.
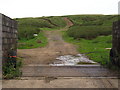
(72, 60)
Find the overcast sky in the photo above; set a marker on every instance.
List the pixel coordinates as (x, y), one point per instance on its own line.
(38, 8)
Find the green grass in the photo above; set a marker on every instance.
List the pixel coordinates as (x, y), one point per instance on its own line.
(33, 43)
(94, 49)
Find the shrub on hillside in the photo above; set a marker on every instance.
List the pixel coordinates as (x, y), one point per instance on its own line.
(88, 32)
(26, 32)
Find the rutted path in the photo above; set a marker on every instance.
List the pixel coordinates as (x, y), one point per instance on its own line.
(37, 76)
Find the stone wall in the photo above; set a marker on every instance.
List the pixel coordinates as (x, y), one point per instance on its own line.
(116, 42)
(8, 35)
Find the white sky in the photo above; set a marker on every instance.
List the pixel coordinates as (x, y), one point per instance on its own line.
(38, 8)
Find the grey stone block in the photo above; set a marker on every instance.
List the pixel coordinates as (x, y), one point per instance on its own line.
(0, 31)
(0, 19)
(0, 42)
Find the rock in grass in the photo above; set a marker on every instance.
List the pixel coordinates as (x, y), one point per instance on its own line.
(38, 41)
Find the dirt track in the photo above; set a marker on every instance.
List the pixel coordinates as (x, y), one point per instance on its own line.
(56, 47)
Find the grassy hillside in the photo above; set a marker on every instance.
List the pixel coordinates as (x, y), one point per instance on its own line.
(27, 27)
(56, 21)
(91, 26)
(84, 20)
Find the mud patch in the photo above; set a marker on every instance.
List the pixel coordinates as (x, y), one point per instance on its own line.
(72, 60)
(48, 79)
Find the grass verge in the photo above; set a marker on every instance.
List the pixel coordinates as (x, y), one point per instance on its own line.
(38, 41)
(95, 49)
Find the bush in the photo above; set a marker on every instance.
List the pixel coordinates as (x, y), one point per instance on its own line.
(26, 32)
(9, 72)
(88, 32)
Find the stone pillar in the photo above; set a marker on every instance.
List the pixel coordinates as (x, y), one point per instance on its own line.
(9, 36)
(116, 42)
(0, 51)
